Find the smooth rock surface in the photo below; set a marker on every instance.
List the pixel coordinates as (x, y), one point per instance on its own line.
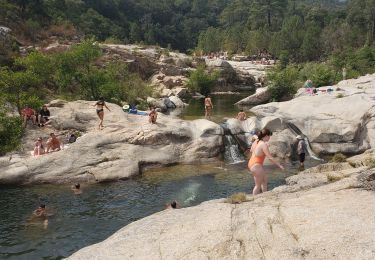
(331, 123)
(260, 96)
(311, 218)
(126, 145)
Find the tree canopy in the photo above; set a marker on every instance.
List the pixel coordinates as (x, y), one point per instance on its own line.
(305, 29)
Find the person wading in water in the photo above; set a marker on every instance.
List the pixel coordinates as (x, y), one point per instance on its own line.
(208, 106)
(100, 105)
(259, 152)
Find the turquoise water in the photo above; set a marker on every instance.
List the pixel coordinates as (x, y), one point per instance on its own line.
(102, 209)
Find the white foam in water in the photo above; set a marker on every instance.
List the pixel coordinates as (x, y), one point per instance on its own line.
(189, 193)
(232, 154)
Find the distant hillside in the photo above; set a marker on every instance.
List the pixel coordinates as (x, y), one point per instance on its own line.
(304, 29)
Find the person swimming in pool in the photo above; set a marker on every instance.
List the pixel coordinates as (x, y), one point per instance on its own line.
(40, 215)
(260, 151)
(76, 188)
(100, 105)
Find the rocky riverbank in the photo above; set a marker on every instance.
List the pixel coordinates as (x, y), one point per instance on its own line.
(342, 120)
(322, 213)
(127, 144)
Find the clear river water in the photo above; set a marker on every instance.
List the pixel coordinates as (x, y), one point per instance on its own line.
(102, 209)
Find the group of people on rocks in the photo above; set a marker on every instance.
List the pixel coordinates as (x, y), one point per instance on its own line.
(53, 145)
(41, 118)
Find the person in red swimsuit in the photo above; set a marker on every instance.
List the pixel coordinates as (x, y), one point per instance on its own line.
(28, 114)
(259, 152)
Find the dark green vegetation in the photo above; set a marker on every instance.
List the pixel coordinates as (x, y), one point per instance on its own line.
(11, 131)
(202, 81)
(76, 74)
(302, 29)
(285, 79)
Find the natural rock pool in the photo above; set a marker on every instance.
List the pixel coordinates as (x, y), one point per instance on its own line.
(102, 209)
(223, 107)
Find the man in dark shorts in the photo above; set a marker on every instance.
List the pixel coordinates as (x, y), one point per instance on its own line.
(43, 117)
(301, 150)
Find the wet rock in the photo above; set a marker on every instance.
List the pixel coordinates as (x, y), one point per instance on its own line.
(313, 218)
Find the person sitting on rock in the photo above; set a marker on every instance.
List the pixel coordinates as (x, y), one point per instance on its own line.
(43, 117)
(76, 188)
(241, 115)
(71, 138)
(38, 148)
(28, 114)
(53, 143)
(153, 115)
(172, 205)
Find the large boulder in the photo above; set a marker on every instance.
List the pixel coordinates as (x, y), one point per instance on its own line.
(339, 121)
(261, 96)
(123, 148)
(314, 217)
(157, 103)
(177, 101)
(225, 69)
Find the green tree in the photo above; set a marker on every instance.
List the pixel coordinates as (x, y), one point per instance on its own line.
(76, 66)
(19, 88)
(201, 81)
(283, 82)
(11, 131)
(267, 12)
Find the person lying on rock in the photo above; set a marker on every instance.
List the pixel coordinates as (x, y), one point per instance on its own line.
(28, 114)
(43, 117)
(39, 148)
(76, 188)
(241, 115)
(172, 205)
(53, 143)
(152, 116)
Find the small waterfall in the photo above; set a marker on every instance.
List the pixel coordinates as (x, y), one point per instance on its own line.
(232, 153)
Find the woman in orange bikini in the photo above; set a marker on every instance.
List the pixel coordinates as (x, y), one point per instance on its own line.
(260, 151)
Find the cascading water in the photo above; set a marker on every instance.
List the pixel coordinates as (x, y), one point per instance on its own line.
(232, 153)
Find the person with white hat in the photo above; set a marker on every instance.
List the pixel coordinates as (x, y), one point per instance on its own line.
(301, 150)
